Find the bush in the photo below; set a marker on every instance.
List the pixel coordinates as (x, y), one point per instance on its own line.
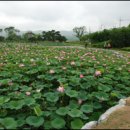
(99, 45)
(119, 37)
(126, 49)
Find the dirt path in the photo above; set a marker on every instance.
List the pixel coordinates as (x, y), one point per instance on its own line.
(79, 47)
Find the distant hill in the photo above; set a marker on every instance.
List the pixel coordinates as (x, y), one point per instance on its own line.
(68, 34)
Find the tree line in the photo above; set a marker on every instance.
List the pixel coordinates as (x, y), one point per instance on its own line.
(117, 37)
(13, 34)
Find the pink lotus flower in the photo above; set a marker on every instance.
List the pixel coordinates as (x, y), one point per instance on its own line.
(38, 90)
(64, 68)
(128, 63)
(94, 59)
(81, 75)
(51, 71)
(98, 73)
(60, 89)
(80, 101)
(32, 60)
(33, 64)
(10, 83)
(72, 63)
(63, 52)
(48, 63)
(28, 93)
(17, 92)
(21, 65)
(104, 65)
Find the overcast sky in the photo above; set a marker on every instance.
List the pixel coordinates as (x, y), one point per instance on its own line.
(63, 15)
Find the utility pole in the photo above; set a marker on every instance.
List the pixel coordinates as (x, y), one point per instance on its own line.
(101, 27)
(121, 20)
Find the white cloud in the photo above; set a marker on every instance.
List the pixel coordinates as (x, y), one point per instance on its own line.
(62, 15)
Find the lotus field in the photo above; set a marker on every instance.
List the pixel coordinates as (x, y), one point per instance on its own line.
(55, 88)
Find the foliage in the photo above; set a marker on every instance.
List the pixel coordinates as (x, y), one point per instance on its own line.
(99, 44)
(13, 35)
(2, 38)
(119, 37)
(126, 49)
(42, 87)
(53, 36)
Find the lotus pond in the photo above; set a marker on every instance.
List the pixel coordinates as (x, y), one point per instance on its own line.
(55, 88)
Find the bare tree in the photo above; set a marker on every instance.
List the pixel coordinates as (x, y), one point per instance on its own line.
(80, 31)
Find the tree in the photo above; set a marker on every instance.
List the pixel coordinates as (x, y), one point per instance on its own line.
(1, 37)
(53, 36)
(80, 31)
(61, 39)
(29, 36)
(12, 34)
(38, 37)
(1, 30)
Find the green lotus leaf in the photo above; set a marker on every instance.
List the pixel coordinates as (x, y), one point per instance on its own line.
(84, 117)
(117, 94)
(86, 108)
(73, 104)
(62, 111)
(58, 123)
(20, 122)
(4, 100)
(76, 124)
(9, 123)
(35, 121)
(97, 105)
(37, 95)
(16, 104)
(101, 96)
(5, 81)
(26, 88)
(32, 71)
(41, 76)
(82, 95)
(72, 93)
(3, 112)
(51, 108)
(47, 125)
(29, 101)
(75, 113)
(105, 88)
(52, 97)
(46, 113)
(38, 111)
(85, 86)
